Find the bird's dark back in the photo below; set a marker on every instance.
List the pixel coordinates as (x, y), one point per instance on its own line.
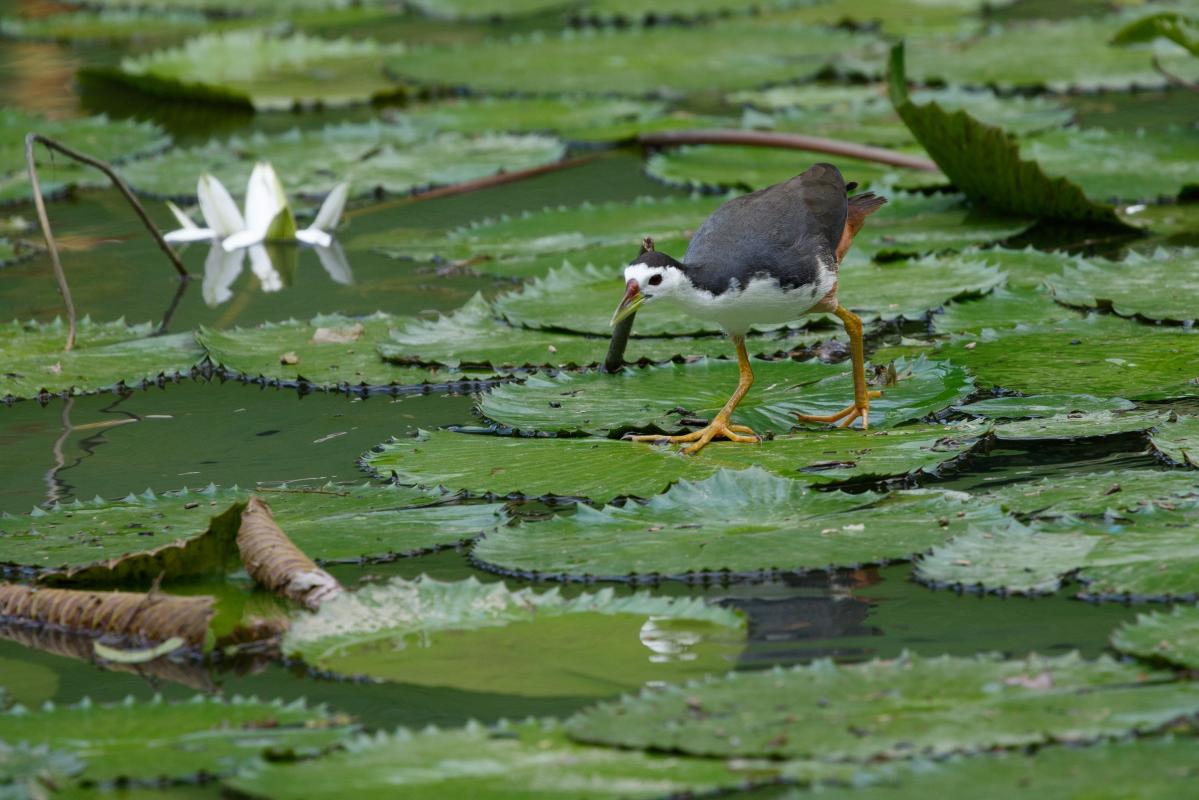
(783, 231)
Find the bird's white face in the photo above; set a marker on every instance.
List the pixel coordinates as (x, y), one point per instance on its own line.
(645, 282)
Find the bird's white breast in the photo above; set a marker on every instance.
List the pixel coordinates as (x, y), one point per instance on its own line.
(762, 302)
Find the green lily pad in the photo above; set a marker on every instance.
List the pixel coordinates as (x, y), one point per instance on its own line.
(1081, 425)
(374, 157)
(473, 337)
(610, 257)
(915, 224)
(1030, 268)
(602, 469)
(522, 642)
(157, 740)
(1060, 55)
(911, 289)
(1101, 354)
(711, 167)
(1178, 28)
(1043, 405)
(1163, 286)
(1172, 637)
(636, 62)
(579, 119)
(749, 522)
(486, 10)
(106, 354)
(531, 760)
(344, 355)
(984, 162)
(1159, 768)
(658, 399)
(903, 707)
(1146, 554)
(899, 17)
(1095, 493)
(28, 772)
(265, 72)
(1178, 441)
(105, 26)
(1001, 308)
(579, 229)
(1119, 165)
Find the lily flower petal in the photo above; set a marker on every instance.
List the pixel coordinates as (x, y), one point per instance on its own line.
(243, 239)
(314, 237)
(330, 212)
(267, 210)
(188, 231)
(217, 206)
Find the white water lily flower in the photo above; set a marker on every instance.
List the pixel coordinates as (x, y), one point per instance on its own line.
(318, 233)
(268, 216)
(220, 213)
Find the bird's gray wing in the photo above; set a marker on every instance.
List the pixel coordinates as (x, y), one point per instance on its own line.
(785, 231)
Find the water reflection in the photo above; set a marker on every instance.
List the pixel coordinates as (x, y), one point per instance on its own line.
(273, 265)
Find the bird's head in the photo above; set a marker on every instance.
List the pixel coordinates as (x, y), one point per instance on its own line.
(650, 276)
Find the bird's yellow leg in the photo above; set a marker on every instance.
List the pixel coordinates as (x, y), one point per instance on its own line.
(861, 395)
(719, 426)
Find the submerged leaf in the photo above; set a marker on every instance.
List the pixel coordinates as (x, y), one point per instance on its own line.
(423, 631)
(1172, 637)
(747, 522)
(660, 398)
(602, 469)
(905, 707)
(105, 354)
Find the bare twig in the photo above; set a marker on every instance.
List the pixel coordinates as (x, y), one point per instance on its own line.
(792, 141)
(1175, 80)
(43, 218)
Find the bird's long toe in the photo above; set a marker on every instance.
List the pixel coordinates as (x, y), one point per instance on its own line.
(846, 417)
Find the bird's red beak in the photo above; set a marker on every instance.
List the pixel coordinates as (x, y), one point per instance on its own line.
(632, 300)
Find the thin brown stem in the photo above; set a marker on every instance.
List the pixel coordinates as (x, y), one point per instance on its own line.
(791, 141)
(39, 203)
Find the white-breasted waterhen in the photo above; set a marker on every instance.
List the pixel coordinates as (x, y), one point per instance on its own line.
(767, 257)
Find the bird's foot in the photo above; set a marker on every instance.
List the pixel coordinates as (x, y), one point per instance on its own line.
(717, 428)
(847, 415)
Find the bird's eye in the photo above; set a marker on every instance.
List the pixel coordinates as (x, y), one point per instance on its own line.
(654, 280)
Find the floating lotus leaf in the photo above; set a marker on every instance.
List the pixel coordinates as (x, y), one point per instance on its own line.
(374, 157)
(1147, 769)
(579, 229)
(11, 253)
(658, 399)
(1163, 286)
(156, 740)
(1078, 425)
(1178, 441)
(1101, 354)
(489, 10)
(911, 289)
(1147, 554)
(1029, 268)
(1059, 55)
(345, 354)
(1001, 308)
(31, 772)
(1178, 28)
(532, 759)
(662, 61)
(983, 162)
(1120, 165)
(472, 337)
(1043, 405)
(230, 7)
(903, 707)
(611, 257)
(748, 523)
(263, 71)
(105, 354)
(1095, 493)
(113, 25)
(708, 167)
(1171, 637)
(914, 224)
(601, 469)
(900, 17)
(582, 119)
(522, 642)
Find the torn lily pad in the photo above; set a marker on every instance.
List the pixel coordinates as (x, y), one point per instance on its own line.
(983, 162)
(1171, 637)
(1177, 441)
(564, 230)
(1101, 354)
(1043, 405)
(327, 351)
(473, 337)
(529, 759)
(659, 398)
(106, 354)
(423, 631)
(899, 708)
(602, 469)
(156, 740)
(1161, 286)
(1080, 425)
(636, 62)
(373, 157)
(749, 522)
(265, 72)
